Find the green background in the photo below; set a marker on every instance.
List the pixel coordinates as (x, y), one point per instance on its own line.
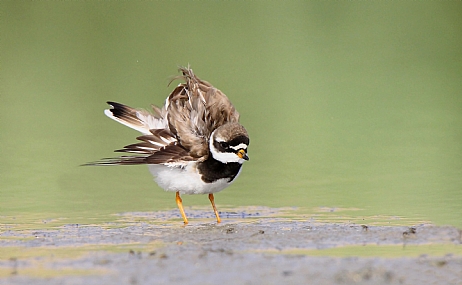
(349, 104)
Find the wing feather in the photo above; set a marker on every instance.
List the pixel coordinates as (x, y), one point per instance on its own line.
(161, 147)
(195, 110)
(178, 132)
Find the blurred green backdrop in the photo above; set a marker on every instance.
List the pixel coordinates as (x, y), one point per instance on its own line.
(348, 104)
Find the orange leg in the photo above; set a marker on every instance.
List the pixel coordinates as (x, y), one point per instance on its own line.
(212, 200)
(179, 202)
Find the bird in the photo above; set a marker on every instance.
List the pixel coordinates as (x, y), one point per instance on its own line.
(194, 144)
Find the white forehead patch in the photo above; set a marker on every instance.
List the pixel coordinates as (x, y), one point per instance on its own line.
(239, 146)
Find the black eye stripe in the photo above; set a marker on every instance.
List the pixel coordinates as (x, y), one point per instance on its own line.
(221, 146)
(238, 140)
(231, 146)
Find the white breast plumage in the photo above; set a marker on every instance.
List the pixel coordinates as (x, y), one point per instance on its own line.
(185, 180)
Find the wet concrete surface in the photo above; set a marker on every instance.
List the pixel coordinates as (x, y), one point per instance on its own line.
(259, 250)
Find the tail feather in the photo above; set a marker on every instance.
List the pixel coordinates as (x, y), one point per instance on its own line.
(137, 119)
(121, 160)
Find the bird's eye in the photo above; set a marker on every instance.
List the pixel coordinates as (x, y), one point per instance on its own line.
(224, 144)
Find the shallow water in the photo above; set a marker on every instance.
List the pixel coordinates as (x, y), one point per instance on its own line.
(252, 244)
(348, 105)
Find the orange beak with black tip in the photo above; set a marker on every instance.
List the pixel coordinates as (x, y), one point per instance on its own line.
(242, 154)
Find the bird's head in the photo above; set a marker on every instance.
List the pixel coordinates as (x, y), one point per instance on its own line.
(229, 142)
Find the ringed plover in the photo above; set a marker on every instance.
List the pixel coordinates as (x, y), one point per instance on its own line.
(194, 144)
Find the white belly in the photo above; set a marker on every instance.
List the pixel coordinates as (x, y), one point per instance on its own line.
(185, 180)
